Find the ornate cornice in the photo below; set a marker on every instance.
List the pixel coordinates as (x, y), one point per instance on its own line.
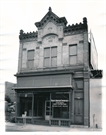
(39, 73)
(27, 35)
(50, 16)
(77, 27)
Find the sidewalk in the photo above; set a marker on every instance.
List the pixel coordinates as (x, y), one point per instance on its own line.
(40, 128)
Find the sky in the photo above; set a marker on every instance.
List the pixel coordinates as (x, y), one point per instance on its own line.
(22, 14)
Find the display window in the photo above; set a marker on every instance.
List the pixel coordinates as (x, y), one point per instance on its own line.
(60, 105)
(26, 106)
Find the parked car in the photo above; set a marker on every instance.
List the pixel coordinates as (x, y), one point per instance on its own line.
(10, 112)
(6, 106)
(11, 108)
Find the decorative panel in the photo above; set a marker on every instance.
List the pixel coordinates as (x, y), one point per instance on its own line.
(49, 28)
(59, 81)
(41, 82)
(79, 95)
(53, 80)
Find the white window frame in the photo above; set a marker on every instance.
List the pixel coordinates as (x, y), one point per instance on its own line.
(50, 57)
(72, 55)
(31, 59)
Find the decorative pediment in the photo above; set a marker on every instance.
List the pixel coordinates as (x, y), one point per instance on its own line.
(50, 16)
(50, 28)
(50, 39)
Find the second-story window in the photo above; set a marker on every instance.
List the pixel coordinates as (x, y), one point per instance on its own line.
(50, 57)
(46, 57)
(73, 54)
(54, 56)
(30, 59)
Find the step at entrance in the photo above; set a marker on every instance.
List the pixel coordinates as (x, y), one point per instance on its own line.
(41, 122)
(78, 126)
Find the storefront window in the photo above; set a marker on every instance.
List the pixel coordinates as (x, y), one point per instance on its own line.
(38, 106)
(26, 105)
(60, 106)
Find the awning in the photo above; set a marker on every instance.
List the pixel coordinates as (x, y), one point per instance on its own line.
(44, 88)
(96, 74)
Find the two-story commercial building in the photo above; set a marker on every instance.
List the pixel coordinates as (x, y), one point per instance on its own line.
(54, 69)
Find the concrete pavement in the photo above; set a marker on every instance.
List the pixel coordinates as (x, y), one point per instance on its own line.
(20, 127)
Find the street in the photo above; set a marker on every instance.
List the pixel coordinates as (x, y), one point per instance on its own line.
(20, 127)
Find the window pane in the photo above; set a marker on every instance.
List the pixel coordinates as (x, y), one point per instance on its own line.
(24, 59)
(73, 50)
(47, 52)
(73, 60)
(54, 51)
(26, 104)
(30, 63)
(54, 61)
(46, 62)
(30, 54)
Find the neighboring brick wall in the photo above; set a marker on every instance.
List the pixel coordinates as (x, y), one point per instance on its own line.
(96, 102)
(8, 91)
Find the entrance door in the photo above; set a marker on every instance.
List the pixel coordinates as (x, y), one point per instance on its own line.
(78, 111)
(47, 110)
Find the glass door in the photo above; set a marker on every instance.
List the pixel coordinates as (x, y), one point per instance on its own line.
(47, 110)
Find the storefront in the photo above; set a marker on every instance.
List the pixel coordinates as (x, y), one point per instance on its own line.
(51, 106)
(61, 102)
(60, 99)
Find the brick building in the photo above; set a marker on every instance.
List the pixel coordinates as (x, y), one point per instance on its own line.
(55, 66)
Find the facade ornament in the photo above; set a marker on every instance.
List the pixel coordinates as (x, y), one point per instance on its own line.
(50, 9)
(21, 32)
(85, 20)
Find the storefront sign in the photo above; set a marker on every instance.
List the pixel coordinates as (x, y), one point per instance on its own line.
(60, 103)
(59, 100)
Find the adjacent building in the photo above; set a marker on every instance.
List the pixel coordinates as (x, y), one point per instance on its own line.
(55, 66)
(9, 92)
